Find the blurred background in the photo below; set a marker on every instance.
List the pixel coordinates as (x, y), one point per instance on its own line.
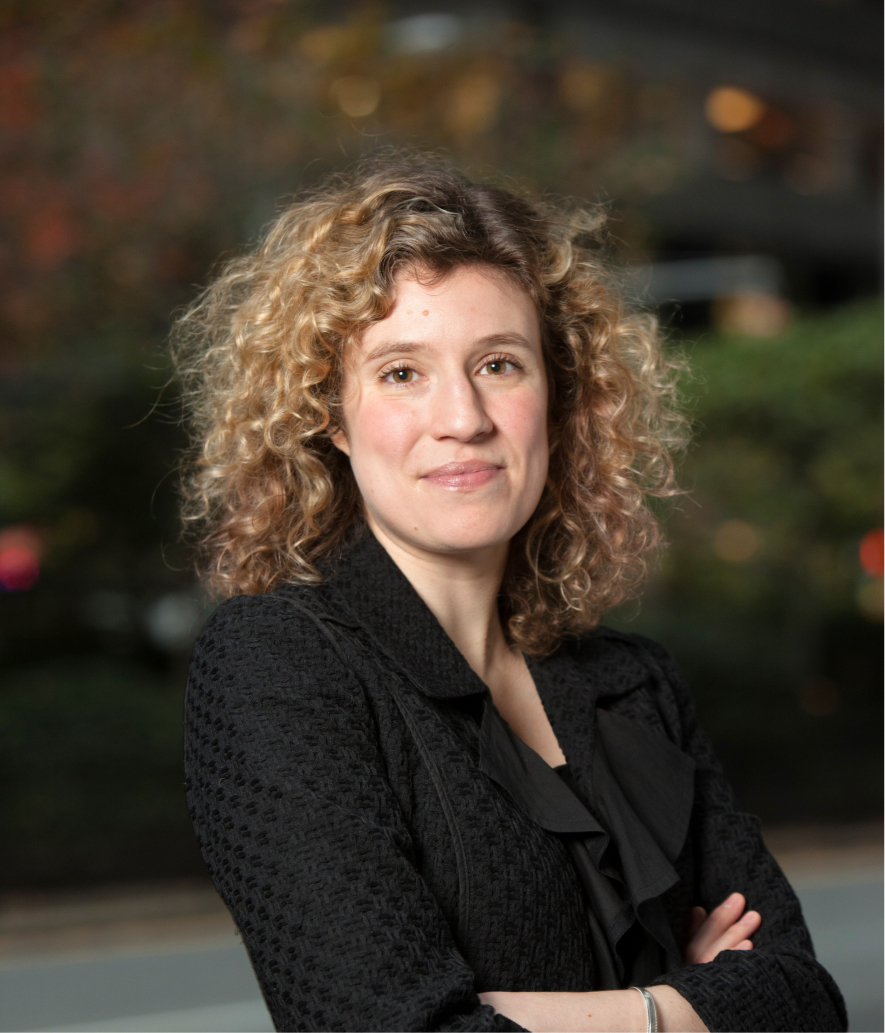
(738, 148)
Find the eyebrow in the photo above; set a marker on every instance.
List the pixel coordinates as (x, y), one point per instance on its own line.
(502, 340)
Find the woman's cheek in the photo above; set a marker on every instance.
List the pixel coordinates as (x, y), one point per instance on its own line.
(522, 417)
(386, 432)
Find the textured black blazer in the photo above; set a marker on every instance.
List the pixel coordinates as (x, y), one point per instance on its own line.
(381, 877)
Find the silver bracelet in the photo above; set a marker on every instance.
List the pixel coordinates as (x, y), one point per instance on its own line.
(651, 1012)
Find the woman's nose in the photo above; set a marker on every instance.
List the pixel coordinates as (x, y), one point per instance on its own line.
(458, 411)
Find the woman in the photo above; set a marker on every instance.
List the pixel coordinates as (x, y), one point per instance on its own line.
(433, 791)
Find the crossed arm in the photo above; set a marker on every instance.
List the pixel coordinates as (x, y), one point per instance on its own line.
(727, 927)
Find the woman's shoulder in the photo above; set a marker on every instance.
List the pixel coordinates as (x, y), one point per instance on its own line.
(291, 608)
(266, 636)
(635, 676)
(625, 652)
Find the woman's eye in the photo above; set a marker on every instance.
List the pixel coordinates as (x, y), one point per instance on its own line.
(496, 367)
(403, 375)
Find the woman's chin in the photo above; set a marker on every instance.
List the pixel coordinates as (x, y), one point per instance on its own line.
(453, 540)
(450, 533)
(464, 547)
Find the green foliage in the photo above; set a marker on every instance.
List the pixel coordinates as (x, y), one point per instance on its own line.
(789, 441)
(758, 592)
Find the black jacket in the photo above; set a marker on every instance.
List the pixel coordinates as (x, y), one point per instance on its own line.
(381, 877)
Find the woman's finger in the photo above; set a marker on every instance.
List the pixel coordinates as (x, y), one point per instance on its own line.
(697, 919)
(737, 934)
(717, 922)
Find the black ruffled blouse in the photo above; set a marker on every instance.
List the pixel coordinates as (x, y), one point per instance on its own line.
(624, 856)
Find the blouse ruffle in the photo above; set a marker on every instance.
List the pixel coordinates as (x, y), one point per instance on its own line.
(623, 849)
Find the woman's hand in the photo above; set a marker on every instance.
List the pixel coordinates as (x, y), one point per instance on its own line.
(727, 927)
(603, 1011)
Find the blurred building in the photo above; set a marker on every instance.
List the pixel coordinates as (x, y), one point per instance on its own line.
(734, 128)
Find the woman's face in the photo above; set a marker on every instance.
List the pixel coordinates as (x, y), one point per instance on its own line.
(445, 413)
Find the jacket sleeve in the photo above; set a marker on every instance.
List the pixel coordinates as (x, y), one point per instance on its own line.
(778, 985)
(305, 839)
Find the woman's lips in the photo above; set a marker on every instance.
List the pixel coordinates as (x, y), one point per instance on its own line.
(463, 475)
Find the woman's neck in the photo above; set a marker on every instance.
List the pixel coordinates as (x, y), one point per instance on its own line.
(461, 591)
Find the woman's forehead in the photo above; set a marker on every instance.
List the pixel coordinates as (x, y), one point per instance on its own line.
(469, 303)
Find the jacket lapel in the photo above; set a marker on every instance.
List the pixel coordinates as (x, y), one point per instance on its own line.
(364, 585)
(634, 781)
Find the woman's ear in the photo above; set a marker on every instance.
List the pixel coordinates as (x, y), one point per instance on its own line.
(339, 440)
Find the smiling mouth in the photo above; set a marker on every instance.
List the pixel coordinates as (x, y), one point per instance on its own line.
(473, 474)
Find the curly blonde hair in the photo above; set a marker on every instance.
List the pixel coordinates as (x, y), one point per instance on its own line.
(260, 353)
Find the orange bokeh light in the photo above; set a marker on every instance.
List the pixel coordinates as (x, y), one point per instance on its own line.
(731, 110)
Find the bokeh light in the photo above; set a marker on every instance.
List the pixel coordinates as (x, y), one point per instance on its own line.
(472, 104)
(871, 599)
(731, 110)
(356, 95)
(872, 552)
(19, 559)
(581, 85)
(735, 541)
(756, 315)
